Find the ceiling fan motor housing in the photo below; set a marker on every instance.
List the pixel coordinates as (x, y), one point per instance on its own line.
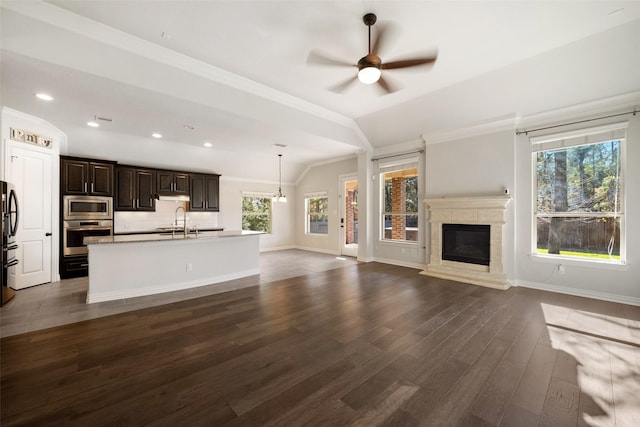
(369, 61)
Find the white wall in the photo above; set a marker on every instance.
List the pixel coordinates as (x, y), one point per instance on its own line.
(283, 214)
(620, 283)
(323, 177)
(164, 216)
(475, 166)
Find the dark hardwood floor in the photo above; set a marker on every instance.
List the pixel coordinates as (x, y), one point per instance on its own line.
(367, 344)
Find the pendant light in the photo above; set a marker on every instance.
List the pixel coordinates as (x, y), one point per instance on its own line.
(279, 197)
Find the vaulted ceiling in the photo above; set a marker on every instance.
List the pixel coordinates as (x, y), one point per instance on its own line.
(235, 73)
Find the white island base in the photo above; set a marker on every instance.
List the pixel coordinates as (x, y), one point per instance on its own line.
(125, 267)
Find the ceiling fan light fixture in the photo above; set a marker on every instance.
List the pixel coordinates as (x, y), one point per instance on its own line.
(369, 75)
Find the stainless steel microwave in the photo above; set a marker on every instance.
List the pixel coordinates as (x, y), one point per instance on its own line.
(87, 207)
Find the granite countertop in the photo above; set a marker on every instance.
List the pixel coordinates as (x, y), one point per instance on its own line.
(166, 230)
(155, 237)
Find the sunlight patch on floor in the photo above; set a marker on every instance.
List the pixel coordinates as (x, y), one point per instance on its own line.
(602, 355)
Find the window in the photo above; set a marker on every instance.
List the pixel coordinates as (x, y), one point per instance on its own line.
(400, 202)
(256, 212)
(579, 208)
(317, 218)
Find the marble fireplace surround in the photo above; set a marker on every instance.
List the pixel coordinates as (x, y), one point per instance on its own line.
(468, 210)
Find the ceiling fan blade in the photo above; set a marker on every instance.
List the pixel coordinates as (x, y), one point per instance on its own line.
(318, 58)
(341, 87)
(408, 63)
(384, 84)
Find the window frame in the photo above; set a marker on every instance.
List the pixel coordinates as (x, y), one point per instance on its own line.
(250, 195)
(397, 166)
(567, 140)
(307, 214)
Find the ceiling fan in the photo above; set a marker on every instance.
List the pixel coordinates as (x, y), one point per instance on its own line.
(370, 66)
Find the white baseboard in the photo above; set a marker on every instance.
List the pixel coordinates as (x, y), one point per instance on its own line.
(152, 290)
(622, 299)
(322, 251)
(278, 248)
(400, 263)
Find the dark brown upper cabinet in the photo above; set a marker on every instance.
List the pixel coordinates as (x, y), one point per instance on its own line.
(86, 177)
(171, 182)
(136, 189)
(205, 193)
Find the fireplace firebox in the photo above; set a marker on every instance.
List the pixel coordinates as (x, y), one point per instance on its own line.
(468, 243)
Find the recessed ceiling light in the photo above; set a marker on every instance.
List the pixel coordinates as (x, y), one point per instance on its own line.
(189, 127)
(156, 135)
(44, 96)
(207, 144)
(93, 124)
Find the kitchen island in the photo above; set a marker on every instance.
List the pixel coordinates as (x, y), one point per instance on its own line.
(128, 266)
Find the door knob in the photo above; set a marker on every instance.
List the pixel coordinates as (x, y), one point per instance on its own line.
(47, 234)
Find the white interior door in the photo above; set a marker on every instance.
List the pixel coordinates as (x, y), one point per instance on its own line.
(30, 173)
(349, 215)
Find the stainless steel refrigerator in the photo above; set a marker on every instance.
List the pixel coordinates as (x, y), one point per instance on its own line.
(10, 217)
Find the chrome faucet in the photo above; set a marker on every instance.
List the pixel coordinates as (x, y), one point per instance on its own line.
(184, 219)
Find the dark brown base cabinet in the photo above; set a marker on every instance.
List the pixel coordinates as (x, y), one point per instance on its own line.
(86, 177)
(74, 266)
(135, 189)
(205, 193)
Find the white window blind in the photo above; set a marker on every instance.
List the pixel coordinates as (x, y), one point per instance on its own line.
(315, 195)
(595, 135)
(257, 194)
(399, 165)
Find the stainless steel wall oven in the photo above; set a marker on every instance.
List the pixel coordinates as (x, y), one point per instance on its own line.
(74, 232)
(84, 216)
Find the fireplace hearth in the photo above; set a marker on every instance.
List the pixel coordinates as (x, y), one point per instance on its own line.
(466, 240)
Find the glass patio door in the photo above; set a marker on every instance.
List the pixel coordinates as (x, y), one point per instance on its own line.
(349, 216)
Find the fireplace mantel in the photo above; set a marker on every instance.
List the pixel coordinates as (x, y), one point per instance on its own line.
(499, 202)
(468, 210)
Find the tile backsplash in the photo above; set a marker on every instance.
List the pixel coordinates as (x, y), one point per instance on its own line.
(164, 216)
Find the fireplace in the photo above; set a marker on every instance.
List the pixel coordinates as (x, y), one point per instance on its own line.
(466, 243)
(465, 240)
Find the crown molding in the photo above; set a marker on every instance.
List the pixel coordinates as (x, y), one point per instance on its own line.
(498, 125)
(324, 162)
(572, 112)
(415, 144)
(251, 180)
(102, 33)
(19, 114)
(513, 121)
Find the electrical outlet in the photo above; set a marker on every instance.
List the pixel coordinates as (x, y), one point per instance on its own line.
(560, 269)
(189, 267)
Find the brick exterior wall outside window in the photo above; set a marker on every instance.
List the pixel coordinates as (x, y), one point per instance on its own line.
(398, 204)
